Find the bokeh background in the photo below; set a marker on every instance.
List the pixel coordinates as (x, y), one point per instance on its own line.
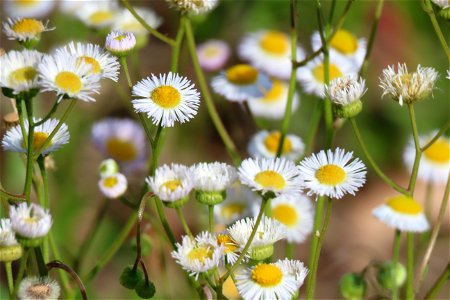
(355, 237)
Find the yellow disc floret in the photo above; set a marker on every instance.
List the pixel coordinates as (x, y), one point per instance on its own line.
(439, 152)
(69, 82)
(226, 241)
(22, 75)
(319, 72)
(95, 66)
(172, 185)
(404, 204)
(270, 179)
(39, 139)
(242, 74)
(121, 150)
(285, 214)
(110, 181)
(272, 141)
(29, 27)
(275, 42)
(166, 96)
(331, 175)
(344, 42)
(200, 254)
(267, 275)
(275, 93)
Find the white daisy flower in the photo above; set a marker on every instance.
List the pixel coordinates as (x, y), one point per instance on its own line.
(295, 268)
(13, 139)
(312, 75)
(172, 184)
(296, 213)
(267, 281)
(113, 186)
(120, 43)
(270, 52)
(268, 233)
(18, 70)
(346, 90)
(30, 221)
(442, 3)
(126, 22)
(98, 14)
(7, 235)
(194, 7)
(72, 6)
(332, 174)
(166, 99)
(68, 76)
(32, 288)
(199, 255)
(402, 213)
(214, 176)
(278, 175)
(27, 8)
(122, 140)
(230, 248)
(240, 83)
(23, 29)
(265, 144)
(239, 203)
(435, 161)
(345, 45)
(213, 54)
(403, 86)
(272, 104)
(101, 62)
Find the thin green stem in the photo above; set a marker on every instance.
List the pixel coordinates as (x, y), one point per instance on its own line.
(9, 276)
(290, 249)
(22, 266)
(437, 136)
(62, 275)
(30, 160)
(177, 47)
(415, 170)
(429, 10)
(45, 202)
(49, 114)
(123, 62)
(229, 144)
(65, 268)
(164, 222)
(211, 218)
(445, 276)
(40, 261)
(374, 165)
(410, 266)
(332, 9)
(20, 111)
(150, 29)
(395, 255)
(7, 196)
(183, 222)
(313, 126)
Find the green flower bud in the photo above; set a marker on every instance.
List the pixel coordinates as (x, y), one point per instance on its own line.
(261, 253)
(145, 290)
(10, 253)
(390, 276)
(130, 278)
(348, 111)
(108, 167)
(210, 198)
(352, 286)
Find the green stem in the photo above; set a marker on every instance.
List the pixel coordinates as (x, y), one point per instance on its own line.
(184, 223)
(62, 275)
(7, 196)
(49, 114)
(445, 276)
(410, 266)
(176, 48)
(30, 160)
(415, 170)
(229, 144)
(40, 261)
(123, 62)
(22, 266)
(441, 131)
(151, 30)
(45, 201)
(164, 222)
(211, 218)
(20, 111)
(395, 255)
(290, 248)
(9, 276)
(429, 10)
(374, 165)
(313, 126)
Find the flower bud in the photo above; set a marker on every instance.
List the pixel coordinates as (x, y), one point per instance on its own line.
(120, 43)
(390, 276)
(352, 286)
(108, 167)
(145, 290)
(11, 253)
(130, 278)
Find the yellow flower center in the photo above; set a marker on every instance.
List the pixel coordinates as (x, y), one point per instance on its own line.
(331, 175)
(267, 275)
(39, 139)
(439, 151)
(95, 66)
(200, 254)
(227, 242)
(110, 181)
(31, 220)
(100, 17)
(404, 204)
(232, 209)
(319, 72)
(166, 96)
(28, 26)
(270, 179)
(272, 141)
(229, 289)
(68, 82)
(242, 74)
(344, 42)
(285, 214)
(275, 93)
(172, 185)
(275, 42)
(22, 75)
(121, 150)
(39, 291)
(211, 51)
(120, 37)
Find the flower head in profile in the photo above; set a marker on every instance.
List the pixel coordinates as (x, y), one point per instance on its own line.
(166, 99)
(120, 43)
(24, 29)
(39, 288)
(27, 8)
(98, 14)
(265, 144)
(406, 87)
(194, 7)
(346, 90)
(213, 54)
(30, 221)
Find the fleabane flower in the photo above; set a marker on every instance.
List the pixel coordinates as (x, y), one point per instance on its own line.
(14, 141)
(271, 280)
(113, 186)
(38, 288)
(68, 77)
(10, 250)
(166, 99)
(198, 255)
(406, 87)
(345, 45)
(194, 7)
(346, 93)
(30, 222)
(268, 233)
(265, 144)
(101, 62)
(18, 70)
(240, 83)
(332, 173)
(211, 180)
(213, 54)
(269, 51)
(98, 14)
(270, 175)
(27, 8)
(441, 3)
(24, 29)
(172, 184)
(402, 213)
(296, 213)
(120, 43)
(272, 104)
(231, 250)
(239, 203)
(435, 161)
